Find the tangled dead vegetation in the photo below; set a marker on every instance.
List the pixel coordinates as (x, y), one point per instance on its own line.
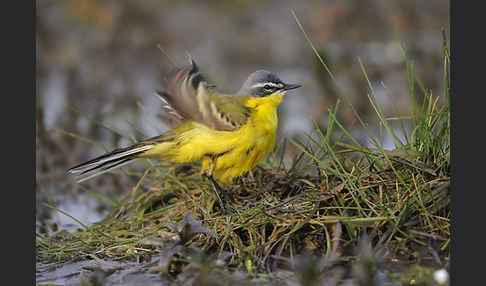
(276, 216)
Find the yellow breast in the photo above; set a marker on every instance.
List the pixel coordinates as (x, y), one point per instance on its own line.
(251, 142)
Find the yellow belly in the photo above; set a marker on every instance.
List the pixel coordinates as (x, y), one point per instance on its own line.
(251, 145)
(224, 154)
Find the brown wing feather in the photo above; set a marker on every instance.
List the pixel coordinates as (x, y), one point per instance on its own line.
(179, 105)
(189, 97)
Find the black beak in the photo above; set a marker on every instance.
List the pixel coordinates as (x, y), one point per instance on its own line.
(289, 86)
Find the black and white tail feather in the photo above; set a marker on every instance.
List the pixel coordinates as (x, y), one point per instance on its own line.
(107, 162)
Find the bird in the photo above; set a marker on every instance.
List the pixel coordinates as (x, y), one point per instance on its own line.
(228, 133)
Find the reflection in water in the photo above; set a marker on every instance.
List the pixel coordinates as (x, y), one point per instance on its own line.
(82, 206)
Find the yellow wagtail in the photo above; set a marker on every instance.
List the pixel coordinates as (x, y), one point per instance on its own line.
(229, 134)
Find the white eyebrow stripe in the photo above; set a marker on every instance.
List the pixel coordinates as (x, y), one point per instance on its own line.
(261, 84)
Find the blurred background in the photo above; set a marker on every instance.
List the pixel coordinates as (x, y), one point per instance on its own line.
(98, 66)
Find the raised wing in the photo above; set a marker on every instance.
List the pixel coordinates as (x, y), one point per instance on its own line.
(190, 97)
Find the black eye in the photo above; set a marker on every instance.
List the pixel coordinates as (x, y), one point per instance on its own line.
(268, 87)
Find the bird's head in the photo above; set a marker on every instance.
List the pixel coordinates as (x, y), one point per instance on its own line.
(263, 83)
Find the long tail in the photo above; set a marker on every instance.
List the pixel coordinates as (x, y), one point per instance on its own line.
(108, 162)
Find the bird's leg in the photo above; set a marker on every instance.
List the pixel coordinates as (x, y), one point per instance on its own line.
(207, 166)
(217, 189)
(228, 197)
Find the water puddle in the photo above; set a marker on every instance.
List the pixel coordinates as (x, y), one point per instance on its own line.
(92, 272)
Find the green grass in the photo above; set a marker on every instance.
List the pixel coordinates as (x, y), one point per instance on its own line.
(333, 192)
